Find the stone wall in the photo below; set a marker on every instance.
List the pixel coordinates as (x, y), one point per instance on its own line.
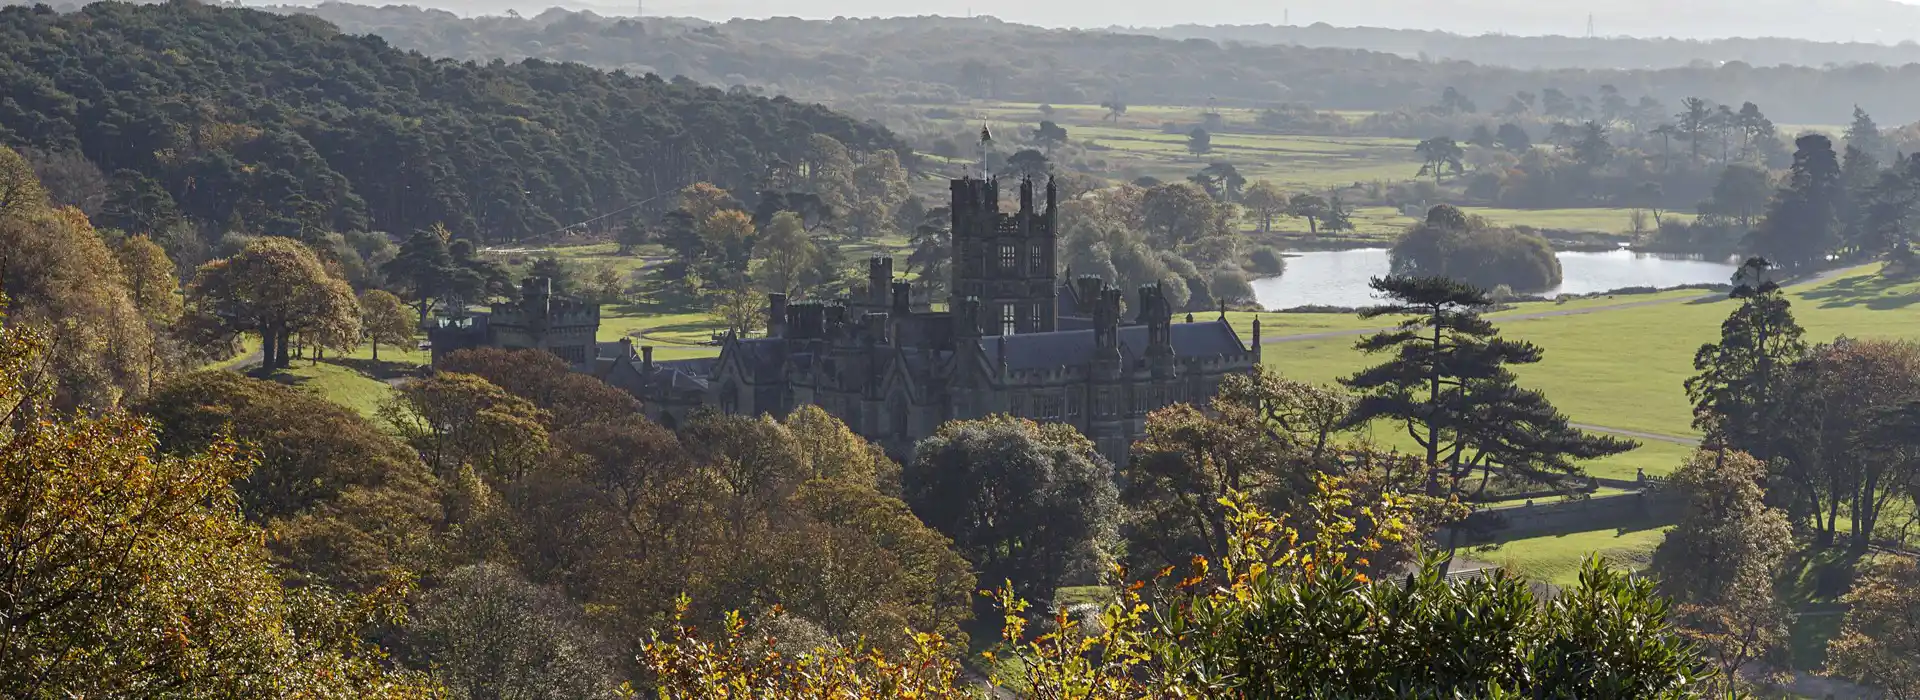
(1645, 509)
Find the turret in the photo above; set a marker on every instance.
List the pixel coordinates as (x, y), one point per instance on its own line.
(1157, 315)
(1106, 325)
(902, 299)
(1256, 340)
(535, 293)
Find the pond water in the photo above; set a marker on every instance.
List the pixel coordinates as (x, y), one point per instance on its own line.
(1339, 277)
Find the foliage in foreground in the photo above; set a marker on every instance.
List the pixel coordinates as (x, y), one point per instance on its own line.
(130, 573)
(1278, 617)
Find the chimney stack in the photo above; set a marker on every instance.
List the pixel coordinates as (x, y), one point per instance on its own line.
(902, 299)
(777, 315)
(646, 361)
(879, 276)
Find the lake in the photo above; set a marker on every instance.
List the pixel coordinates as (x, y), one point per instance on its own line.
(1339, 277)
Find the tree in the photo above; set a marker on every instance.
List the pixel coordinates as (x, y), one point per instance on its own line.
(1649, 195)
(1803, 225)
(1339, 217)
(1840, 436)
(1482, 137)
(1666, 132)
(1439, 156)
(1448, 384)
(65, 281)
(1718, 563)
(1199, 142)
(1890, 208)
(1179, 213)
(739, 307)
(1450, 244)
(702, 200)
(460, 421)
(1513, 138)
(426, 270)
(276, 288)
(932, 242)
(1592, 149)
(1116, 108)
(1030, 164)
(1879, 643)
(1026, 503)
(569, 398)
(1222, 181)
(1264, 201)
(1865, 135)
(155, 291)
(727, 237)
(880, 185)
(1265, 437)
(1050, 135)
(20, 189)
(1738, 392)
(1694, 124)
(1758, 138)
(784, 255)
(488, 633)
(1311, 207)
(385, 319)
(1452, 102)
(1741, 193)
(346, 503)
(133, 574)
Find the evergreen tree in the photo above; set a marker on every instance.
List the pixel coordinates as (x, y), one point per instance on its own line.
(1859, 173)
(1865, 135)
(1803, 225)
(1448, 382)
(1736, 395)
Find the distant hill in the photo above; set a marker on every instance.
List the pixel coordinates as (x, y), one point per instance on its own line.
(936, 60)
(1553, 52)
(275, 123)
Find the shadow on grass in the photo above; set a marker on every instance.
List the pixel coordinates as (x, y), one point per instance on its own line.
(382, 370)
(1871, 292)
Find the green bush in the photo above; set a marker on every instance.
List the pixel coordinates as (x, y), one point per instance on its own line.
(1266, 261)
(1472, 251)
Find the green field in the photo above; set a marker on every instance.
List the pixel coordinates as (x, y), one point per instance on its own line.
(1557, 559)
(1139, 144)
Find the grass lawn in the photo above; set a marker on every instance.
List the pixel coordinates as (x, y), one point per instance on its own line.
(1624, 368)
(1557, 560)
(343, 382)
(1603, 220)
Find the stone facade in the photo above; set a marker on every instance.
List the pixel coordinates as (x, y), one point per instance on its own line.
(1013, 340)
(894, 372)
(538, 321)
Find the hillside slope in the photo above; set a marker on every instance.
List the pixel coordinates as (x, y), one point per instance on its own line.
(933, 59)
(274, 123)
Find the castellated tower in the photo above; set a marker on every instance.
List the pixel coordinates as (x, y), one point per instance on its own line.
(1005, 261)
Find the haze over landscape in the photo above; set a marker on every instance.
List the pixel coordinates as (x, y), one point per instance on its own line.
(1879, 21)
(748, 350)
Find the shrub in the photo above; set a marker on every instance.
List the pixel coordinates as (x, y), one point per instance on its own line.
(1266, 260)
(1231, 286)
(1472, 251)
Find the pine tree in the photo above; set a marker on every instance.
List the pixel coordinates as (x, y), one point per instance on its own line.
(1803, 225)
(1449, 384)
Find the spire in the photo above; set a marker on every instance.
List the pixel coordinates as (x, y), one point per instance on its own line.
(1256, 338)
(986, 147)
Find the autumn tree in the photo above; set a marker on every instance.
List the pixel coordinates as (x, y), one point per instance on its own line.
(1837, 437)
(460, 421)
(569, 398)
(1030, 503)
(488, 633)
(276, 288)
(133, 574)
(1264, 436)
(386, 319)
(1718, 563)
(1179, 213)
(155, 291)
(20, 189)
(1448, 383)
(1879, 642)
(346, 504)
(64, 279)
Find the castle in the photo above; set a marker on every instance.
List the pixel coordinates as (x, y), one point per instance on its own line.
(1013, 340)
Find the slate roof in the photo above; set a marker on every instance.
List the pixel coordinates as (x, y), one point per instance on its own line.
(1063, 348)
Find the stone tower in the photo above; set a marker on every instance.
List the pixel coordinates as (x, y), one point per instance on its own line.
(1004, 261)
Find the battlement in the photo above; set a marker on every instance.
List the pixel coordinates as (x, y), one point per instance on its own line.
(976, 210)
